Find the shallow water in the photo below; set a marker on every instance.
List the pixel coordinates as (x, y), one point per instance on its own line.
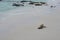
(6, 5)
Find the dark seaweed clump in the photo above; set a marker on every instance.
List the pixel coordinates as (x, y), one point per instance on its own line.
(41, 26)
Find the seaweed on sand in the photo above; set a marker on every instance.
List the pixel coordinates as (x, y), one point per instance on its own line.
(41, 26)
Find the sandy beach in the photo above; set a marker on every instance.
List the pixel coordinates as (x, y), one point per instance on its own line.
(22, 24)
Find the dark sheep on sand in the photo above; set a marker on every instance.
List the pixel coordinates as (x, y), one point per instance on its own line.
(41, 26)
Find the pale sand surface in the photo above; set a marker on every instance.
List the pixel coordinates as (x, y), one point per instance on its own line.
(22, 24)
